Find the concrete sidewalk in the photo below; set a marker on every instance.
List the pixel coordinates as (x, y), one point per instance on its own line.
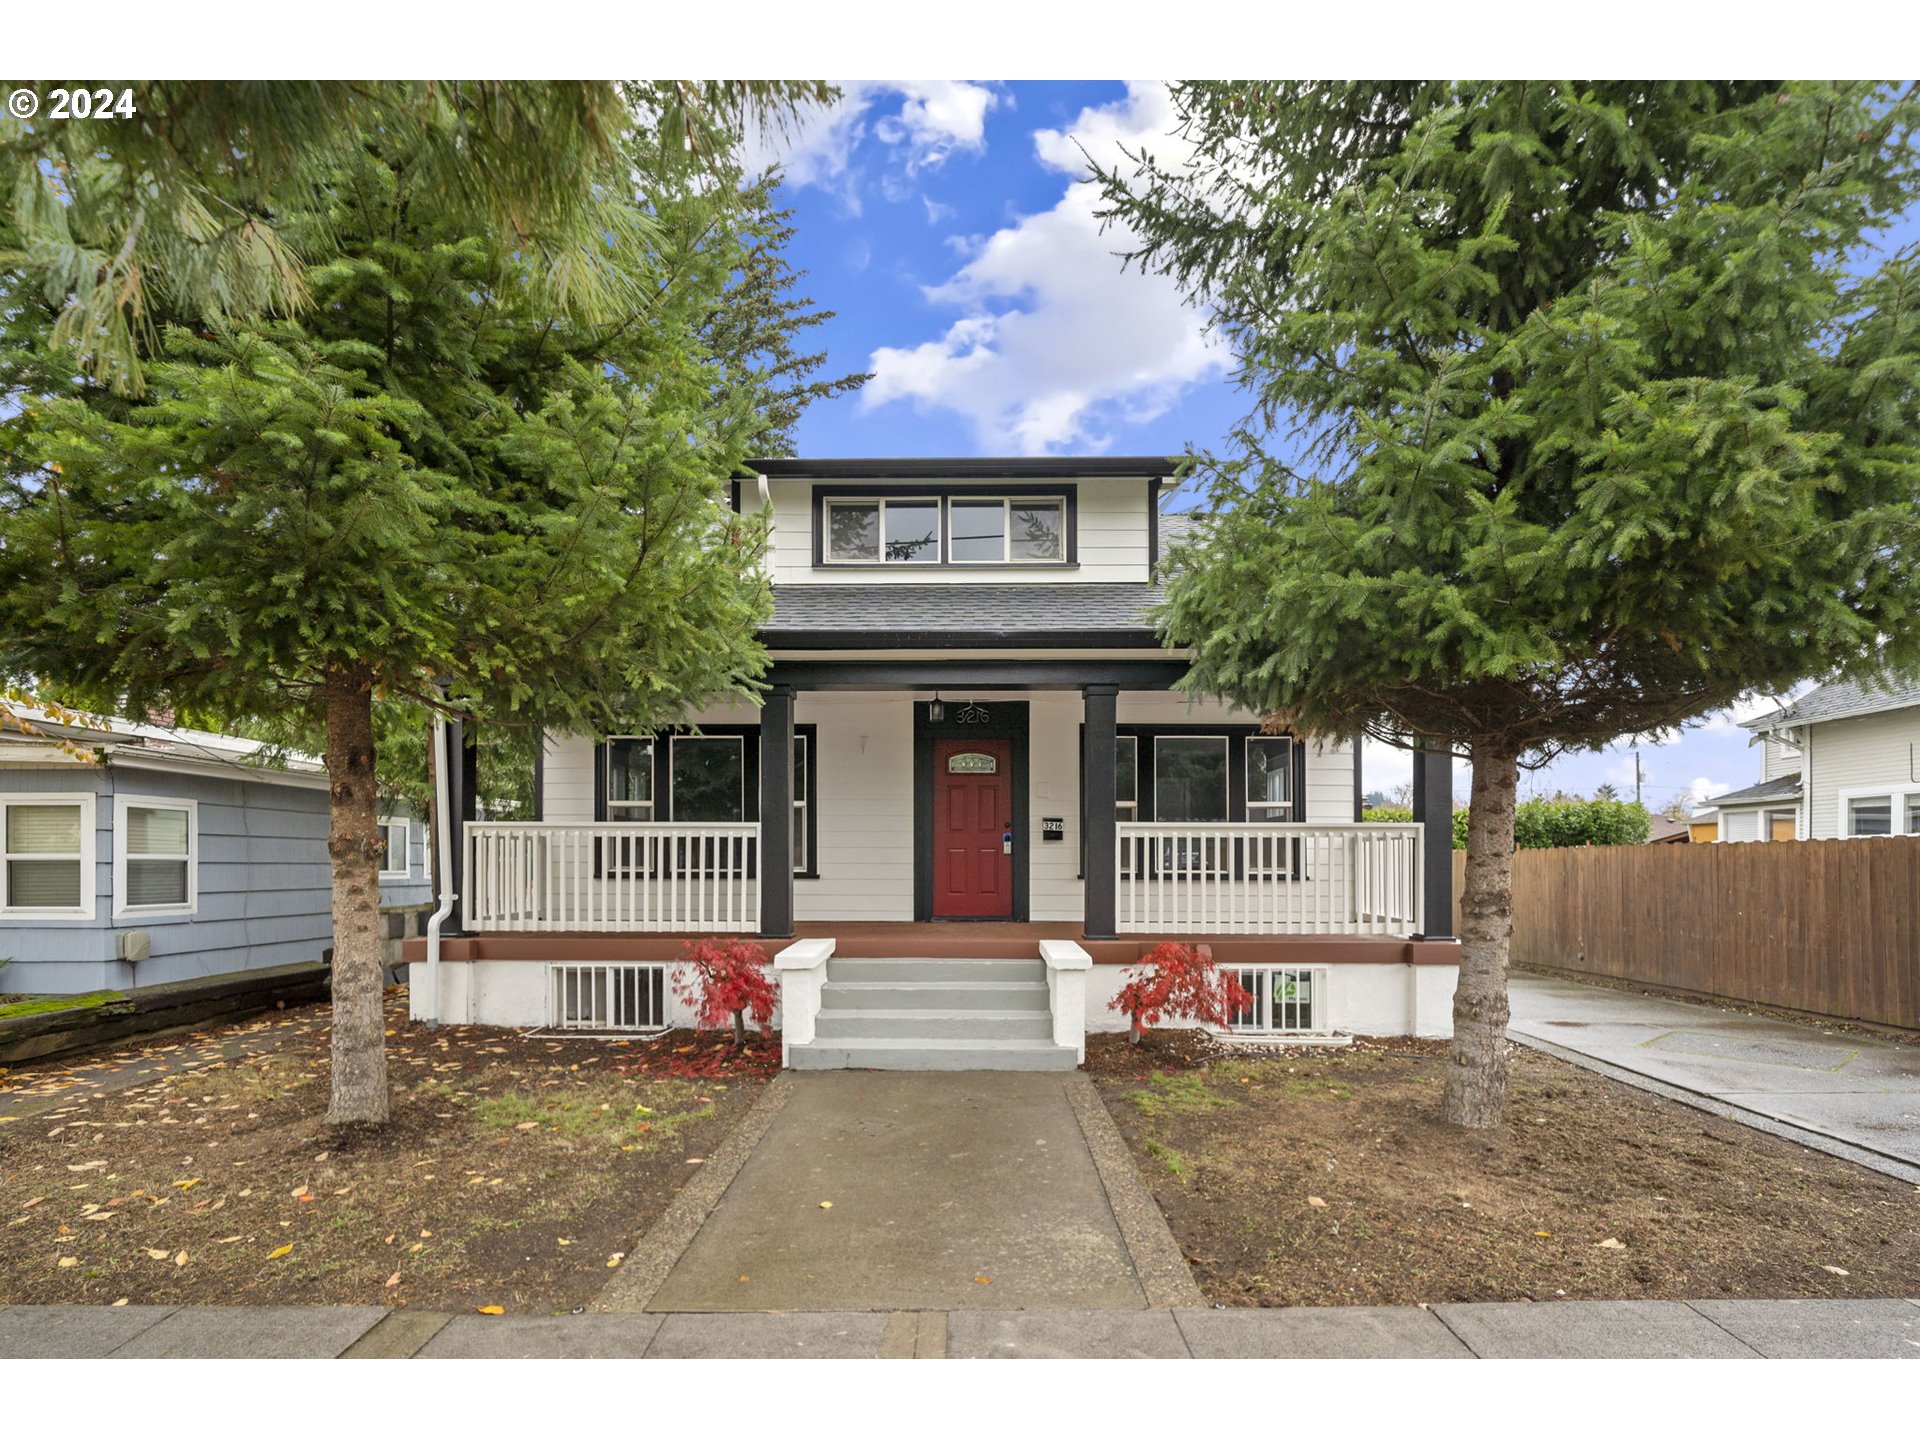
(1567, 1329)
(884, 1191)
(1848, 1094)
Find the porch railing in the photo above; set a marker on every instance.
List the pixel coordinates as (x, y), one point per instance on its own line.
(1232, 879)
(541, 876)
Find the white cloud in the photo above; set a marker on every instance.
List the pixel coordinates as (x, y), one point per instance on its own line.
(1057, 344)
(1704, 789)
(934, 119)
(936, 212)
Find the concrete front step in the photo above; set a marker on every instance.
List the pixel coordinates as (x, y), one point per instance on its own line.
(1028, 1024)
(909, 968)
(931, 1053)
(933, 995)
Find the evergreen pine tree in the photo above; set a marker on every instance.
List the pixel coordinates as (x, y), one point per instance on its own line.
(1578, 410)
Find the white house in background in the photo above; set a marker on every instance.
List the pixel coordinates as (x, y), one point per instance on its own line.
(1841, 761)
(967, 800)
(134, 854)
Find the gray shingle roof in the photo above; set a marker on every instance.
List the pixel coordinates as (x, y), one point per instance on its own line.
(1781, 787)
(987, 608)
(1832, 701)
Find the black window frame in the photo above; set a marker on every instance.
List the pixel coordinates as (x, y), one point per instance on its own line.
(944, 495)
(750, 761)
(1236, 737)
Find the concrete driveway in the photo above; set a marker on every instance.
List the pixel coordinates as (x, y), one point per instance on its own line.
(1853, 1089)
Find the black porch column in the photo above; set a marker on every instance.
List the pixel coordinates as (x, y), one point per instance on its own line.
(776, 813)
(1433, 808)
(1097, 800)
(463, 804)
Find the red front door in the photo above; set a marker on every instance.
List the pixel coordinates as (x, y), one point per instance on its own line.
(972, 829)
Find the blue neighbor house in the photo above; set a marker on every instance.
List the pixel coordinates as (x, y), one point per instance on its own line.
(137, 854)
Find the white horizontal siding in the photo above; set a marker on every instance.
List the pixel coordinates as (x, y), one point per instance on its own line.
(1111, 541)
(1863, 753)
(865, 792)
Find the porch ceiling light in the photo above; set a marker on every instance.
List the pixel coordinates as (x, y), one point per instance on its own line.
(936, 708)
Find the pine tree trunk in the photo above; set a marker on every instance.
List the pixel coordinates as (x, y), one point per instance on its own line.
(1477, 1068)
(359, 961)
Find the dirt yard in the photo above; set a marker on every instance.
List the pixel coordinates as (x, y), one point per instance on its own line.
(516, 1172)
(1325, 1177)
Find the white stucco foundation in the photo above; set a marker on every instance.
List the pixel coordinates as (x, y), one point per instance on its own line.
(1396, 999)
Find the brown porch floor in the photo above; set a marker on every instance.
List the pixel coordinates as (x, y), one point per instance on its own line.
(958, 940)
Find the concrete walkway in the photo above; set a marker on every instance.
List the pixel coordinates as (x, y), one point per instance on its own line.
(903, 1191)
(1568, 1329)
(1848, 1094)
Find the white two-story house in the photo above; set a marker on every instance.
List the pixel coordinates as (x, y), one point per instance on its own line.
(1841, 762)
(969, 798)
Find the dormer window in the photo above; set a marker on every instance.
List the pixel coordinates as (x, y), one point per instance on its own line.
(933, 527)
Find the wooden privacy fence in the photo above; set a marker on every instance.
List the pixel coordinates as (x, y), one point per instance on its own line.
(1830, 927)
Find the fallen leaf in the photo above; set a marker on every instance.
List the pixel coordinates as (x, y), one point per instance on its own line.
(229, 1240)
(1316, 1202)
(983, 1279)
(308, 1199)
(301, 1192)
(490, 1309)
(392, 1280)
(1610, 1244)
(121, 1301)
(159, 1254)
(826, 1204)
(1543, 1234)
(614, 1259)
(283, 1250)
(528, 1125)
(1833, 1270)
(67, 1262)
(186, 1184)
(181, 1258)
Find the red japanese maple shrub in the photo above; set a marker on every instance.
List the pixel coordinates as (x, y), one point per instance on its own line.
(1179, 982)
(722, 978)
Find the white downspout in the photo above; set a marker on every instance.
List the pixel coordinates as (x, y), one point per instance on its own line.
(442, 843)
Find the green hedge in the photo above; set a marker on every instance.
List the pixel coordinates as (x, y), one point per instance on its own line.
(1549, 824)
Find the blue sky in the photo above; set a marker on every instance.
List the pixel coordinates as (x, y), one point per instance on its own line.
(947, 225)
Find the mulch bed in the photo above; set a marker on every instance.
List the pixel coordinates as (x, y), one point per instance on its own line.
(1326, 1177)
(517, 1170)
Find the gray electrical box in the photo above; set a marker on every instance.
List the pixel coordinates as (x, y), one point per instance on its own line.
(134, 945)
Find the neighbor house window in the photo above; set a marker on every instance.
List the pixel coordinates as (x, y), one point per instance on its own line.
(154, 851)
(46, 856)
(1269, 778)
(630, 778)
(396, 859)
(1870, 815)
(1913, 814)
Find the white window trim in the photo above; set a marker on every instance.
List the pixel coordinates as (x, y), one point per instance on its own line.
(1896, 795)
(938, 503)
(122, 804)
(1057, 503)
(1267, 807)
(387, 823)
(89, 900)
(627, 807)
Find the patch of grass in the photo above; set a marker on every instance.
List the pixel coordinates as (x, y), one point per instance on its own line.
(51, 1003)
(1178, 1094)
(607, 1113)
(1177, 1164)
(251, 1082)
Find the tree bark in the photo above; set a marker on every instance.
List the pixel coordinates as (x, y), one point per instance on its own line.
(359, 961)
(1477, 1067)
